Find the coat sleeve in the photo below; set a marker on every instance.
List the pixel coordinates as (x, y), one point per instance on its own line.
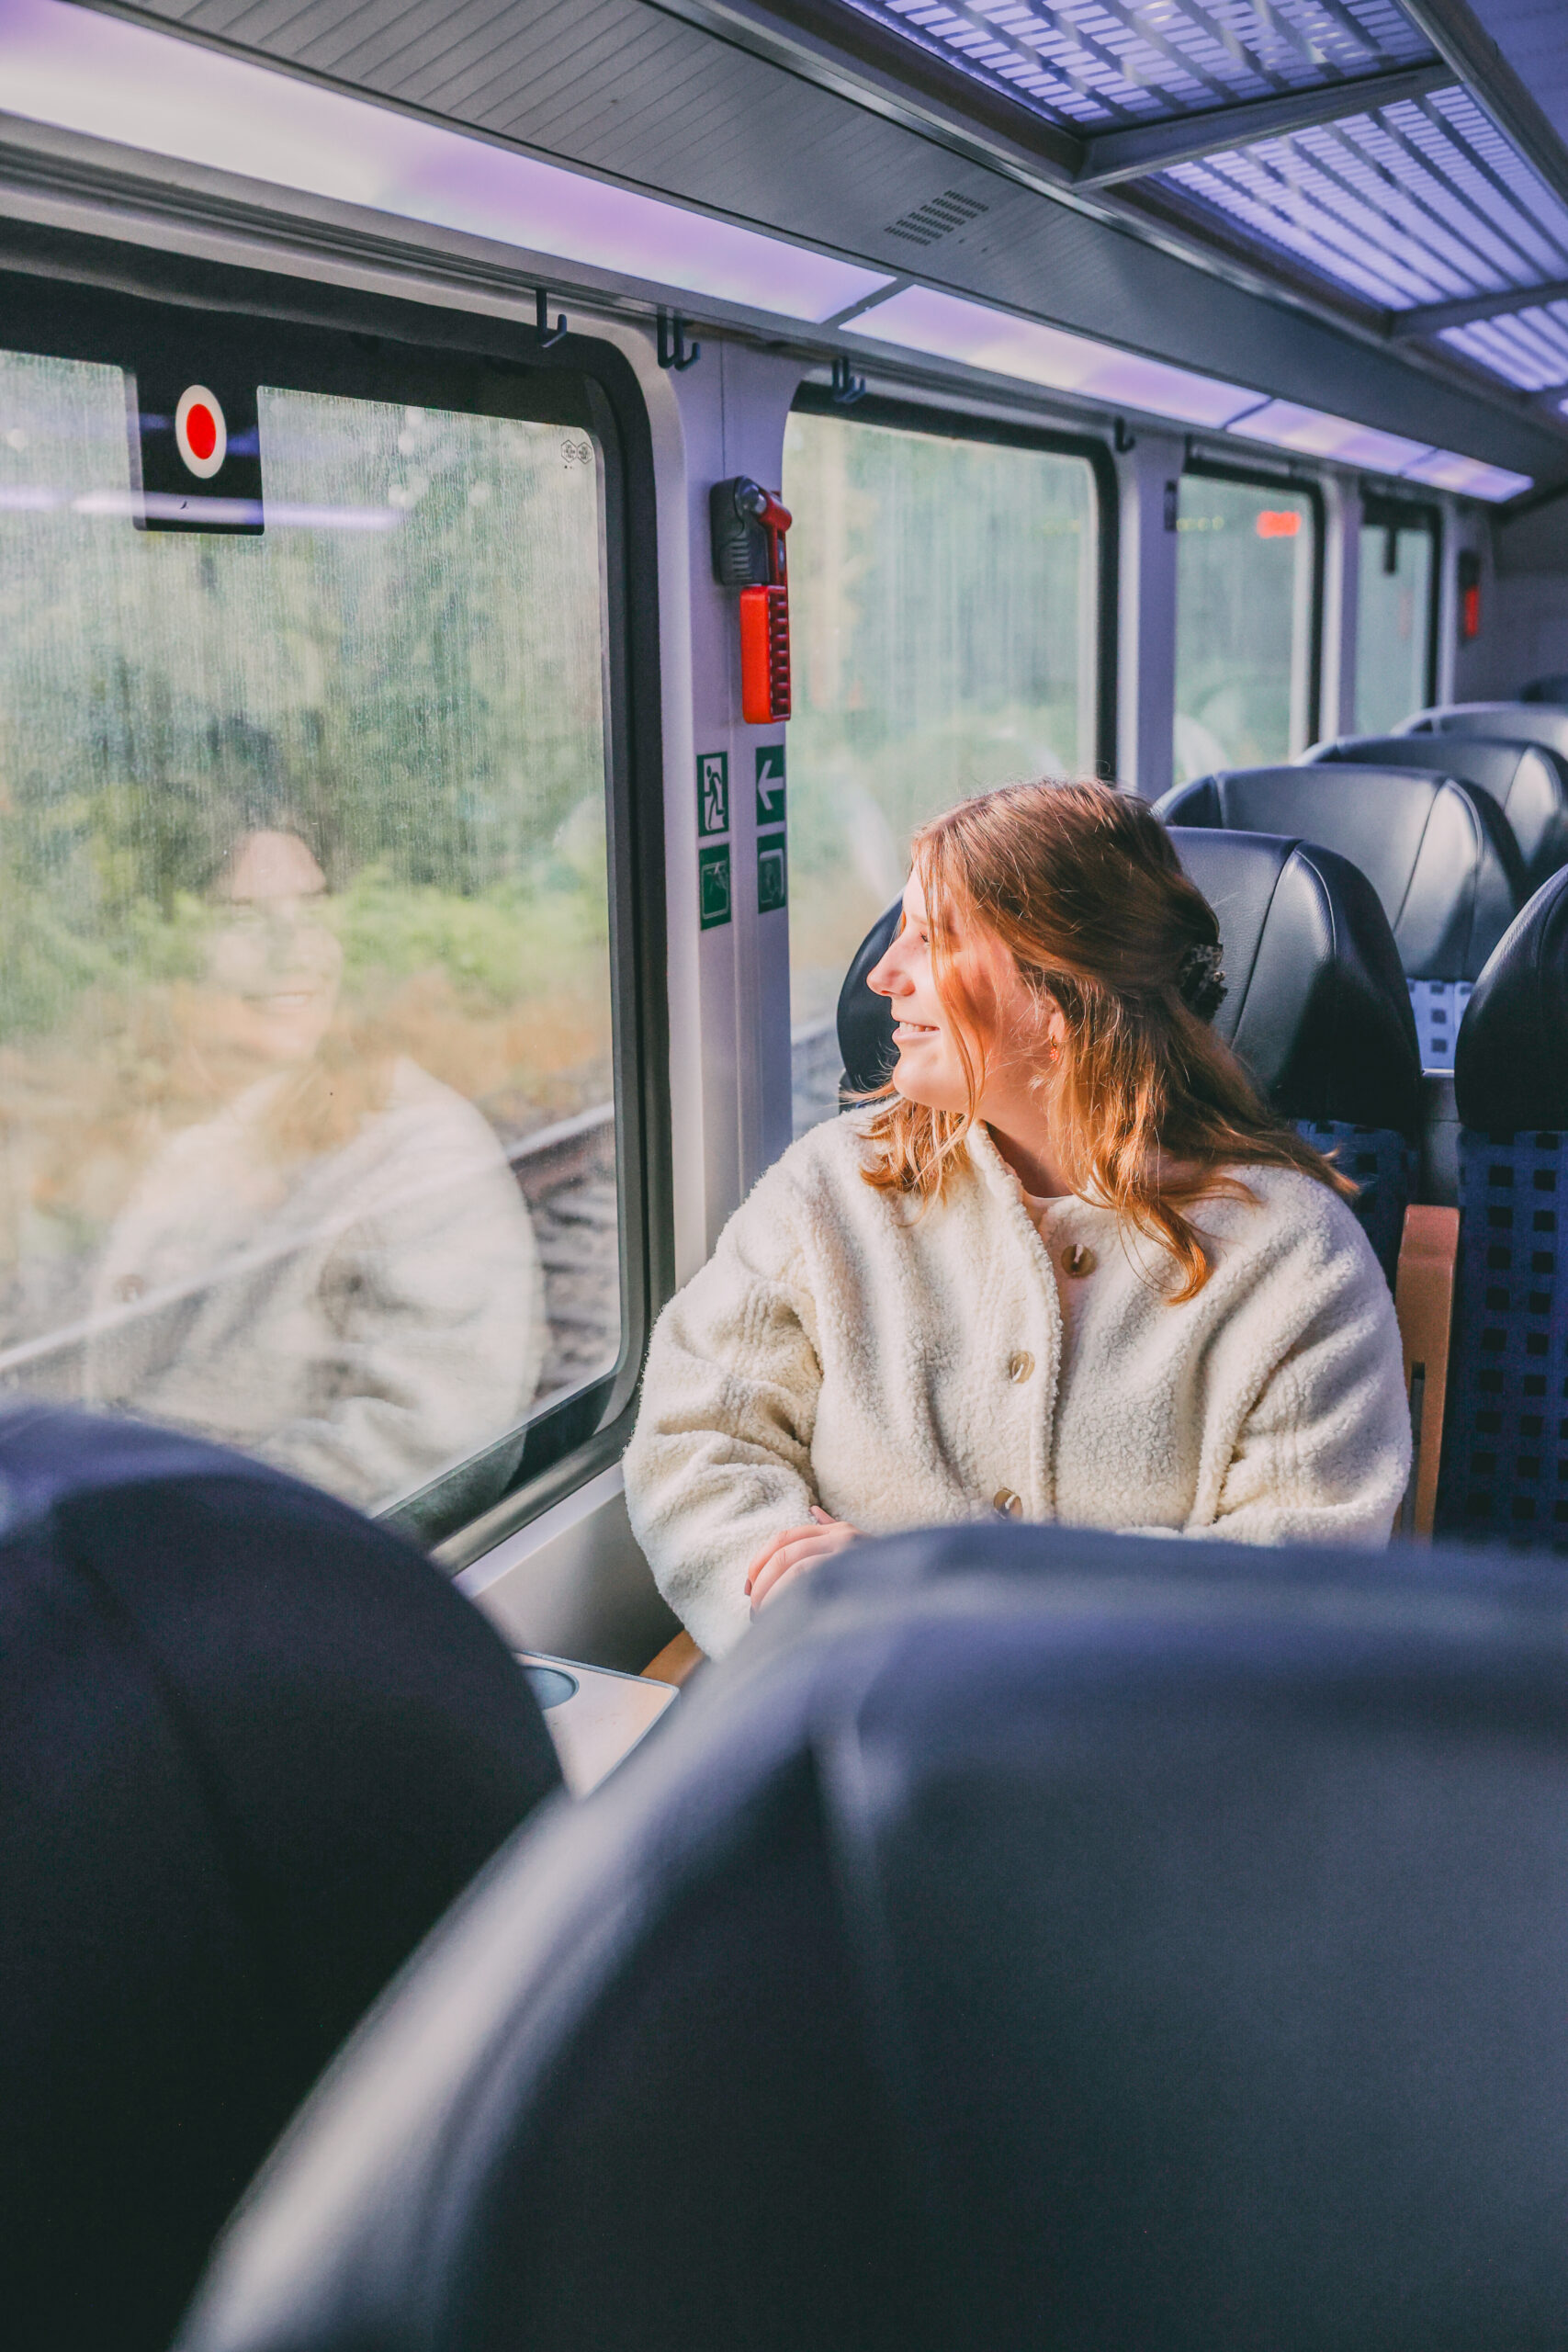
(721, 1455)
(1322, 1453)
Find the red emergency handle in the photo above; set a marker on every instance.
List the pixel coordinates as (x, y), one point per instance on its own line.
(764, 655)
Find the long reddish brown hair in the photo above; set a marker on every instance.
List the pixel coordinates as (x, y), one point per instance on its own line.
(1081, 887)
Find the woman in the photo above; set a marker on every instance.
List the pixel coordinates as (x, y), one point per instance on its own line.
(1067, 1266)
(335, 1270)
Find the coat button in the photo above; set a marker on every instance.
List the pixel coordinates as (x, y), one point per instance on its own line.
(1006, 1504)
(1022, 1365)
(1079, 1259)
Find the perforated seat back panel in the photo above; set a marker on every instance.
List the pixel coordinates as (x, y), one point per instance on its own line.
(1504, 1469)
(1439, 1007)
(1384, 1165)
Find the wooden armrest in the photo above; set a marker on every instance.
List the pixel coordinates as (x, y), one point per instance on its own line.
(1424, 1301)
(675, 1661)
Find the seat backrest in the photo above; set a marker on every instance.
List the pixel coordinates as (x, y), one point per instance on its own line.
(1026, 1938)
(1514, 722)
(250, 1748)
(1549, 689)
(1504, 1466)
(1317, 1008)
(1439, 856)
(1528, 780)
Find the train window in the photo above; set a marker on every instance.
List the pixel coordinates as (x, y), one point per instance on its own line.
(1396, 610)
(308, 1068)
(1247, 600)
(946, 604)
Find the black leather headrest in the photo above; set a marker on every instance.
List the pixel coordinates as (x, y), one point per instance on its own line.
(1317, 1006)
(250, 1748)
(1026, 1940)
(1516, 722)
(1511, 1066)
(1528, 780)
(866, 1022)
(1318, 1009)
(1440, 856)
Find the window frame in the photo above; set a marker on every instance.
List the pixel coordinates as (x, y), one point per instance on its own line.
(1383, 512)
(963, 424)
(64, 298)
(1295, 486)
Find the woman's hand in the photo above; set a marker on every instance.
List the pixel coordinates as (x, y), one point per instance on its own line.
(790, 1553)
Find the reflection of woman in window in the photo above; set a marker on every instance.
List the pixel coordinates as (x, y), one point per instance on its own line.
(1066, 1267)
(337, 1270)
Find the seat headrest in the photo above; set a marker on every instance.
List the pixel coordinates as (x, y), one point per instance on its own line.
(253, 1746)
(1439, 856)
(1528, 780)
(1511, 1064)
(1317, 1008)
(1518, 722)
(1027, 1938)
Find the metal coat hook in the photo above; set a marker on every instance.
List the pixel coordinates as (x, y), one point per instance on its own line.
(1122, 440)
(541, 314)
(673, 349)
(847, 388)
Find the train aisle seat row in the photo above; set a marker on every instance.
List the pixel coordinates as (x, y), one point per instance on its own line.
(1437, 854)
(1528, 780)
(1022, 1940)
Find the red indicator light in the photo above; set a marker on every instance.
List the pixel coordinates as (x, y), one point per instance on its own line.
(1278, 523)
(202, 433)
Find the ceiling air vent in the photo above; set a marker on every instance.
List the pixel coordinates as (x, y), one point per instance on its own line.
(944, 214)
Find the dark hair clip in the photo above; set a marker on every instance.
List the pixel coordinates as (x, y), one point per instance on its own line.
(1200, 980)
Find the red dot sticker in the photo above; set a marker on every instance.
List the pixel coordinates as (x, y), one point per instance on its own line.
(200, 433)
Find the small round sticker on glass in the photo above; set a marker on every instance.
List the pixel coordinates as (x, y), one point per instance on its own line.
(200, 434)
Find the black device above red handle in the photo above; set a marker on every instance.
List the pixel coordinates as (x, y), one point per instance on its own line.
(749, 525)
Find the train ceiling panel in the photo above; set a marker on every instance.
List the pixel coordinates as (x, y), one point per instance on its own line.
(1101, 66)
(1352, 192)
(1413, 203)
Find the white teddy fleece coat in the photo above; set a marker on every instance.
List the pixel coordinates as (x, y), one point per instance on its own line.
(904, 1370)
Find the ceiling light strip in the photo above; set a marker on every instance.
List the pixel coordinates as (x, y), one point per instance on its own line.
(948, 326)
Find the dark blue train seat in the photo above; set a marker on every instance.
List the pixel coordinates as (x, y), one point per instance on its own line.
(1027, 1939)
(1528, 780)
(1505, 1467)
(1554, 688)
(1513, 722)
(1440, 856)
(1317, 1009)
(250, 1748)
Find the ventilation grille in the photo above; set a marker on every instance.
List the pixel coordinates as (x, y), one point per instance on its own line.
(927, 222)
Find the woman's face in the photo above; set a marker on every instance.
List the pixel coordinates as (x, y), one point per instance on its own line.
(1013, 1033)
(273, 965)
